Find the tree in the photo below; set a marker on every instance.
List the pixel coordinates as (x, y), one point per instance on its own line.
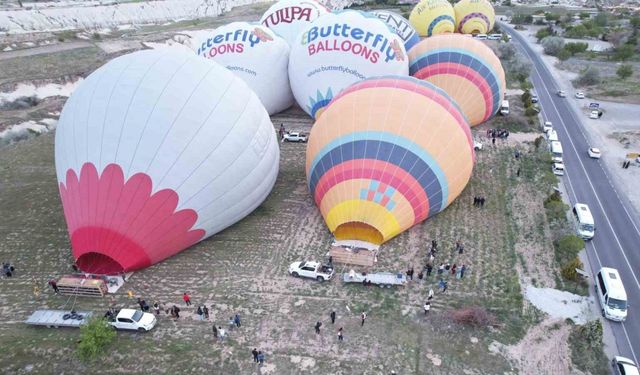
(589, 76)
(95, 336)
(635, 22)
(601, 19)
(624, 71)
(623, 52)
(578, 32)
(507, 51)
(564, 54)
(552, 45)
(617, 38)
(543, 33)
(519, 67)
(574, 48)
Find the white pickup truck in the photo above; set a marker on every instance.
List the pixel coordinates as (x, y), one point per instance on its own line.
(134, 320)
(312, 270)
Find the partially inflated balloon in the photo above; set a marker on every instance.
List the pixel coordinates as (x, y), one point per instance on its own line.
(474, 16)
(255, 54)
(155, 151)
(401, 26)
(288, 18)
(432, 17)
(338, 50)
(386, 154)
(466, 69)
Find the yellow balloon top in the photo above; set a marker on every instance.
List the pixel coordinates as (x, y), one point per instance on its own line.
(431, 17)
(474, 16)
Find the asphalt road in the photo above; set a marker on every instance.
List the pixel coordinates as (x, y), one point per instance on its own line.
(617, 238)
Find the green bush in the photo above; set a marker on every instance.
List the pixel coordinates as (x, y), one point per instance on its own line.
(526, 98)
(589, 76)
(531, 111)
(624, 52)
(568, 270)
(587, 352)
(568, 247)
(574, 48)
(95, 336)
(538, 142)
(624, 71)
(563, 55)
(543, 33)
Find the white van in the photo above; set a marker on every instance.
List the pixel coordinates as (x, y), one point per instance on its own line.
(586, 226)
(504, 108)
(611, 294)
(556, 151)
(552, 135)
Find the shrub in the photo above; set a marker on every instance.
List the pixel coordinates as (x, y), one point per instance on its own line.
(552, 45)
(95, 336)
(568, 247)
(624, 71)
(624, 52)
(531, 111)
(563, 55)
(568, 270)
(589, 76)
(474, 316)
(586, 348)
(556, 211)
(543, 33)
(538, 142)
(574, 48)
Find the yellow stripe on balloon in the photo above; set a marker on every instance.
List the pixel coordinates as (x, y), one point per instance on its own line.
(357, 210)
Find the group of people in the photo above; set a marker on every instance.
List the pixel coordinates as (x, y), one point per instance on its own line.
(340, 332)
(258, 356)
(497, 133)
(220, 333)
(8, 269)
(478, 201)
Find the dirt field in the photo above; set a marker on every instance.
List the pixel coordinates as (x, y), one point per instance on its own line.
(243, 270)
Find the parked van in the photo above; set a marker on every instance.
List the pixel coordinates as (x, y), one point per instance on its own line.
(556, 151)
(480, 36)
(586, 226)
(494, 36)
(611, 294)
(552, 135)
(504, 108)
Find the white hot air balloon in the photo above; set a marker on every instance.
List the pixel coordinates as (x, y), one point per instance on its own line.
(339, 49)
(255, 54)
(288, 18)
(155, 151)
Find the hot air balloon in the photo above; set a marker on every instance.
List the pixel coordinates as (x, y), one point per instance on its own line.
(432, 17)
(400, 26)
(466, 69)
(288, 18)
(386, 154)
(155, 151)
(255, 54)
(339, 49)
(474, 16)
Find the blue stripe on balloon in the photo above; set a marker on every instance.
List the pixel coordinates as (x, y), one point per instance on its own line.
(402, 153)
(437, 20)
(460, 57)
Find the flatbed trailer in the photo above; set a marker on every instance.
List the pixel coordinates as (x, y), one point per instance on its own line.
(380, 278)
(56, 318)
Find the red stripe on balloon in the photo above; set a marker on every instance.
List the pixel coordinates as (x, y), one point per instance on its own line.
(464, 72)
(377, 170)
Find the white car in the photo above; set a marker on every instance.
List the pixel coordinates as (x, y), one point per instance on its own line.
(558, 169)
(477, 145)
(133, 320)
(594, 153)
(594, 115)
(562, 94)
(547, 126)
(579, 95)
(624, 366)
(294, 137)
(312, 270)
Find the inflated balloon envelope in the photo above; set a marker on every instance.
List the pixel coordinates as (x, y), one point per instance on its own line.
(289, 17)
(386, 154)
(474, 16)
(432, 17)
(155, 151)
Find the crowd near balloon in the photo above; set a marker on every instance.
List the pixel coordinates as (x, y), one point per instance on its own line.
(160, 149)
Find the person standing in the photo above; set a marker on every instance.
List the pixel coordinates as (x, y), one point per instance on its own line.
(430, 295)
(363, 316)
(317, 327)
(215, 331)
(255, 355)
(205, 311)
(156, 308)
(186, 298)
(236, 320)
(200, 313)
(429, 269)
(427, 307)
(176, 311)
(340, 338)
(453, 269)
(332, 315)
(221, 333)
(54, 286)
(260, 358)
(462, 270)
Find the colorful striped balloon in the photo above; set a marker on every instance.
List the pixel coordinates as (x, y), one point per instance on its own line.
(465, 68)
(474, 16)
(432, 17)
(386, 154)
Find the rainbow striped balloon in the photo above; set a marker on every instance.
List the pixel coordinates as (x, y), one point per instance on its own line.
(386, 154)
(465, 68)
(474, 16)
